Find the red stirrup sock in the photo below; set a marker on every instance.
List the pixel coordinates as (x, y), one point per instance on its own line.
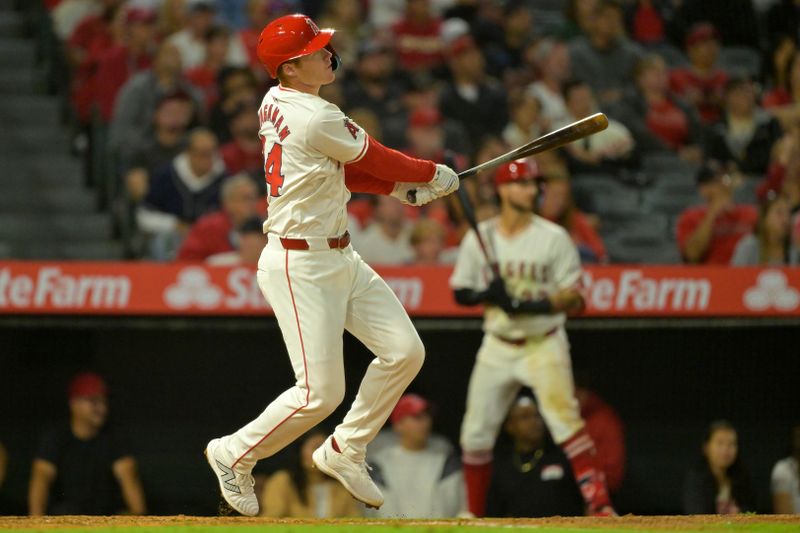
(582, 454)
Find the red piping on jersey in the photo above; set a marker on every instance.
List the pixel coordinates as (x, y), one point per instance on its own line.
(282, 88)
(361, 153)
(305, 369)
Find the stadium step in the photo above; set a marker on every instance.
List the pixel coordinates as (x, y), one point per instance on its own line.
(90, 250)
(48, 200)
(29, 110)
(47, 170)
(22, 80)
(16, 53)
(32, 228)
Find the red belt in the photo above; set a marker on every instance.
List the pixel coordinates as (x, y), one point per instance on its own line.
(302, 244)
(522, 341)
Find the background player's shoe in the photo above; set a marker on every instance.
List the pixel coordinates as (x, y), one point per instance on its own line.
(236, 488)
(352, 475)
(605, 510)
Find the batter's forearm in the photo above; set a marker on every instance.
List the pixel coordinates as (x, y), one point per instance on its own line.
(357, 180)
(393, 166)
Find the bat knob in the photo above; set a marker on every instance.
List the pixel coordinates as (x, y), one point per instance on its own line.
(411, 196)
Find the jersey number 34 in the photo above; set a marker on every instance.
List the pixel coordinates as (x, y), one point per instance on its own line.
(272, 170)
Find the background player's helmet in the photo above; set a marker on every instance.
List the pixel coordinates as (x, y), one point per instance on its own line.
(290, 37)
(519, 169)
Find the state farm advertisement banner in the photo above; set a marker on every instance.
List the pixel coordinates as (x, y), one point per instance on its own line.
(189, 289)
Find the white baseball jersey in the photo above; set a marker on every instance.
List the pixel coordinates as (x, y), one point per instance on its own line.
(536, 262)
(307, 141)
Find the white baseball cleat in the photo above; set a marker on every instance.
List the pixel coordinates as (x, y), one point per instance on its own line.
(236, 488)
(352, 475)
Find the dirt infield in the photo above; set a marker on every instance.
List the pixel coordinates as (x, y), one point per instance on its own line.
(617, 523)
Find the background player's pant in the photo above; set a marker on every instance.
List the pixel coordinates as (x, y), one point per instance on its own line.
(315, 296)
(501, 370)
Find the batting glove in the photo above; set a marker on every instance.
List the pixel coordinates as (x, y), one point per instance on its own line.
(423, 193)
(445, 181)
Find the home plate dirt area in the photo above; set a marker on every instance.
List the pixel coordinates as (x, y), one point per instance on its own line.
(195, 524)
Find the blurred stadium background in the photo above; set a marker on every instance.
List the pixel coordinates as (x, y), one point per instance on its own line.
(94, 111)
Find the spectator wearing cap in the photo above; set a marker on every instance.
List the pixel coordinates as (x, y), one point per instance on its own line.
(204, 76)
(551, 58)
(83, 467)
(243, 152)
(191, 40)
(249, 241)
(133, 54)
(515, 34)
(386, 240)
(173, 115)
(607, 151)
(746, 133)
(605, 58)
(69, 13)
(708, 234)
(215, 232)
(374, 85)
(135, 105)
(701, 83)
(420, 474)
(531, 477)
(659, 122)
(418, 37)
(736, 20)
(180, 193)
(470, 98)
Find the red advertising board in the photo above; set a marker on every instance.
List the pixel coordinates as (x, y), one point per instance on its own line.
(192, 289)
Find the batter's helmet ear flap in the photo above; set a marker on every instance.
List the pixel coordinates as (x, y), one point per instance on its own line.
(336, 61)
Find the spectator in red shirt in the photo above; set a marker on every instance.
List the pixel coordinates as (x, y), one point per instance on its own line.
(784, 101)
(708, 234)
(418, 37)
(212, 233)
(557, 206)
(248, 240)
(89, 41)
(701, 83)
(204, 76)
(121, 62)
(243, 152)
(606, 429)
(657, 121)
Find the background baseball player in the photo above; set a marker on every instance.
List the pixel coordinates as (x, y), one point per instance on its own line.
(316, 284)
(524, 342)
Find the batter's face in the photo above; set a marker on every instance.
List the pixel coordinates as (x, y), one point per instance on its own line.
(313, 70)
(519, 195)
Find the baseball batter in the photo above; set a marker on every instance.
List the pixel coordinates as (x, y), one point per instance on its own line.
(316, 284)
(524, 342)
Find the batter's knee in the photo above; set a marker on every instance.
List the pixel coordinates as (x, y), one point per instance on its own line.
(324, 398)
(412, 354)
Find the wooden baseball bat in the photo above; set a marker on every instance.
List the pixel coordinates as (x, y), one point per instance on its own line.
(555, 139)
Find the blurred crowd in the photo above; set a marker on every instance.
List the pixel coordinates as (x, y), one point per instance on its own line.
(165, 93)
(84, 466)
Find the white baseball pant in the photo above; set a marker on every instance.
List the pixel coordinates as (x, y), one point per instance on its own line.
(316, 295)
(500, 371)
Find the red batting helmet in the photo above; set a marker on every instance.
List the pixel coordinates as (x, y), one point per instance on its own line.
(290, 37)
(519, 169)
